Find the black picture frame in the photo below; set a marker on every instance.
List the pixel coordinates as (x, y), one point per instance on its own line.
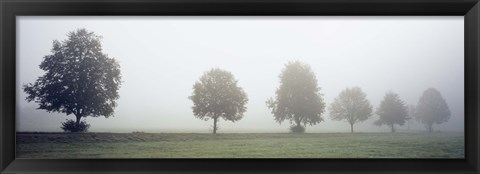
(9, 9)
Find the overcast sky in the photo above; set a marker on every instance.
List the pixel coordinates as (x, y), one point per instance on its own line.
(162, 57)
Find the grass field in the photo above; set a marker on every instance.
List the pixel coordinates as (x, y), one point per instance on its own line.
(250, 145)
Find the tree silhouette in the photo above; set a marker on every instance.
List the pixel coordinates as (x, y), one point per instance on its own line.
(80, 79)
(432, 109)
(71, 126)
(216, 95)
(352, 106)
(297, 99)
(392, 111)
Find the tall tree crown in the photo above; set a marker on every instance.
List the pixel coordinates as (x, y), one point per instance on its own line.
(217, 95)
(297, 99)
(392, 110)
(79, 78)
(432, 108)
(351, 105)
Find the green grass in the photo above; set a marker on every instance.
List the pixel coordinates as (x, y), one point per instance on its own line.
(252, 145)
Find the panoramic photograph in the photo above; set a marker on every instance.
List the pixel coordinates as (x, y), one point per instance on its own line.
(240, 87)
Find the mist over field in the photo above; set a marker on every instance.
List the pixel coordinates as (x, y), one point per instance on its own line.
(162, 57)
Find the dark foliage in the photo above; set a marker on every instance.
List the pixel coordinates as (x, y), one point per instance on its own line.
(71, 126)
(79, 78)
(297, 129)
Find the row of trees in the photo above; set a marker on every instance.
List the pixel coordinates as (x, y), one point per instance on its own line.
(81, 80)
(298, 100)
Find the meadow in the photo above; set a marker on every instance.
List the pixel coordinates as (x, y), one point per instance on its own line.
(240, 145)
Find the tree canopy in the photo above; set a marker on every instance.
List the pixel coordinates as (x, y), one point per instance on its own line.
(352, 106)
(392, 110)
(298, 98)
(432, 109)
(79, 78)
(217, 95)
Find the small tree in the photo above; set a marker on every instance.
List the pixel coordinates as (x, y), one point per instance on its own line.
(216, 95)
(297, 99)
(80, 79)
(432, 109)
(392, 111)
(352, 106)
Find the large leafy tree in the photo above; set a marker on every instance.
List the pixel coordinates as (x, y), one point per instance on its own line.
(432, 109)
(217, 95)
(392, 110)
(298, 98)
(352, 106)
(79, 78)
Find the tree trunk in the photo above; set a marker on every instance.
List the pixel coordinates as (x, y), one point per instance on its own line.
(351, 127)
(77, 124)
(215, 125)
(393, 128)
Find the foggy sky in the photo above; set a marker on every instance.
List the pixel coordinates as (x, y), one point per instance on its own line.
(162, 57)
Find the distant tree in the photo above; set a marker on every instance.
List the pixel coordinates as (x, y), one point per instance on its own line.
(352, 106)
(216, 95)
(392, 111)
(432, 109)
(411, 115)
(298, 98)
(80, 79)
